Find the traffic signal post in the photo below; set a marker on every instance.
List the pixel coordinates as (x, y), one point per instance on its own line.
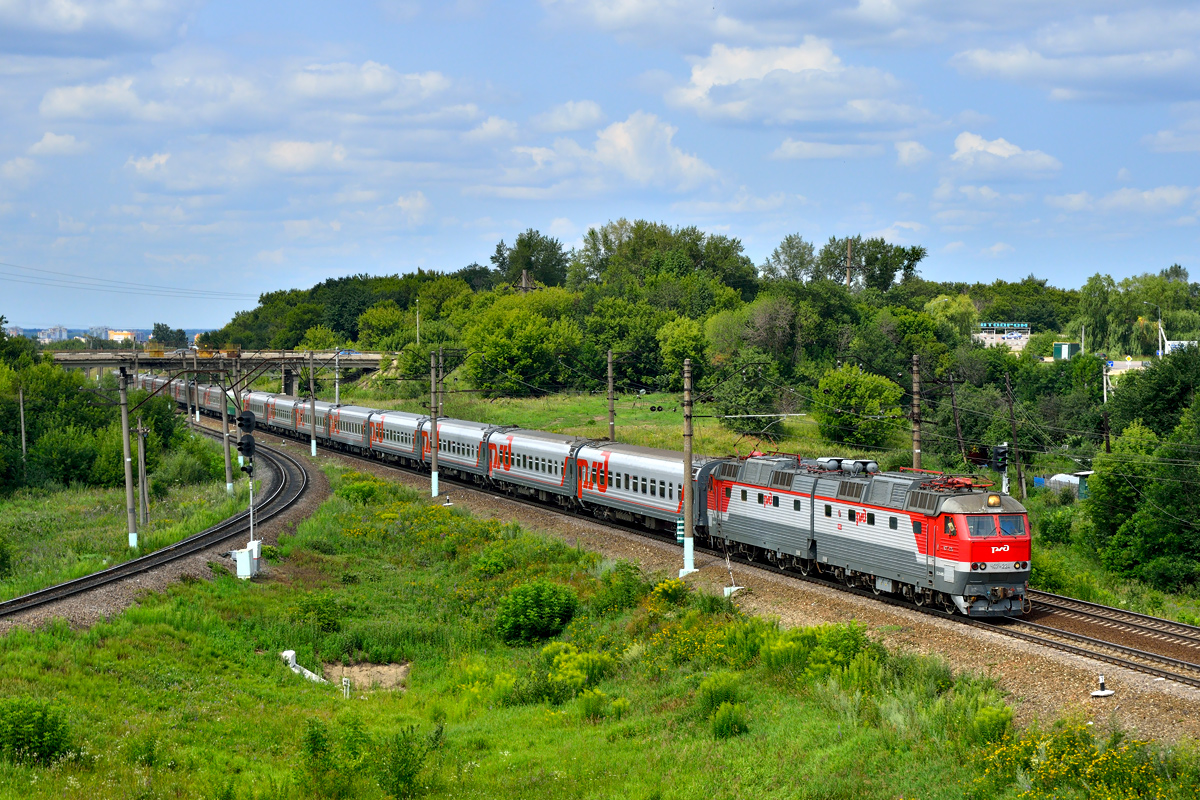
(245, 447)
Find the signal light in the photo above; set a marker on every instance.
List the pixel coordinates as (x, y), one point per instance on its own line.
(245, 446)
(245, 421)
(1000, 458)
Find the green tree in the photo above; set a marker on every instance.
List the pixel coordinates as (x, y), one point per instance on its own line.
(749, 385)
(1113, 487)
(857, 407)
(542, 256)
(958, 312)
(679, 339)
(380, 321)
(793, 260)
(167, 336)
(320, 337)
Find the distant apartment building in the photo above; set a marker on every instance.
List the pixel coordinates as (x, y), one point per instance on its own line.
(993, 334)
(120, 336)
(98, 331)
(53, 334)
(15, 330)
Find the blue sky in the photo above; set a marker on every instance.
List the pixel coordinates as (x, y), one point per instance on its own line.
(243, 147)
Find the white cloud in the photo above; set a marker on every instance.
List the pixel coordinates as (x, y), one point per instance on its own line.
(113, 98)
(794, 148)
(1123, 174)
(640, 150)
(654, 23)
(742, 202)
(975, 155)
(52, 144)
(18, 171)
(911, 153)
(998, 249)
(148, 165)
(1150, 201)
(139, 20)
(414, 206)
(562, 228)
(953, 247)
(270, 256)
(356, 196)
(304, 156)
(491, 129)
(802, 83)
(570, 116)
(899, 231)
(342, 82)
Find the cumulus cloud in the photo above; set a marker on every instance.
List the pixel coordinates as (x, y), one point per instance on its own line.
(91, 24)
(743, 201)
(570, 116)
(911, 153)
(414, 206)
(290, 156)
(795, 148)
(148, 165)
(998, 249)
(1149, 201)
(639, 150)
(53, 144)
(978, 156)
(491, 129)
(801, 83)
(113, 98)
(370, 80)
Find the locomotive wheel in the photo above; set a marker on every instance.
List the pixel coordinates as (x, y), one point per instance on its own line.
(920, 599)
(875, 588)
(805, 567)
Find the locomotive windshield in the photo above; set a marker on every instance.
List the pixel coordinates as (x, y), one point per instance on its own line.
(981, 525)
(1012, 525)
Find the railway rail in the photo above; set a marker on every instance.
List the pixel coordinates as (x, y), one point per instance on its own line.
(289, 485)
(1180, 670)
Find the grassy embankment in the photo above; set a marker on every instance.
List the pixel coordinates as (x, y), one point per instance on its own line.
(56, 534)
(646, 693)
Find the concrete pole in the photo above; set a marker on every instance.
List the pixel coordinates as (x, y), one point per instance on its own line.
(130, 510)
(441, 378)
(1012, 418)
(21, 402)
(196, 377)
(337, 392)
(689, 516)
(962, 448)
(225, 439)
(141, 472)
(916, 411)
(312, 401)
(612, 407)
(433, 428)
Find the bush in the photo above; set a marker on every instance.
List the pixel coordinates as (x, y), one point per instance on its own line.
(574, 670)
(535, 611)
(729, 721)
(593, 705)
(990, 724)
(670, 592)
(32, 730)
(63, 455)
(194, 461)
(6, 558)
(621, 587)
(720, 688)
(402, 758)
(361, 492)
(1056, 526)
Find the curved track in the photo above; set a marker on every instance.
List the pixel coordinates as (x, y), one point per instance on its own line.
(288, 486)
(1130, 655)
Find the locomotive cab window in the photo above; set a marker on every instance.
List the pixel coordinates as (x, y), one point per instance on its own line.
(950, 529)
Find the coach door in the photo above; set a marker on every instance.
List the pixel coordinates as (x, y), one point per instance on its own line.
(923, 532)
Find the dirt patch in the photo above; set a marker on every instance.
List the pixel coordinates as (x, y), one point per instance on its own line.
(368, 676)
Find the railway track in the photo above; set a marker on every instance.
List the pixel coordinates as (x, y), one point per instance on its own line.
(289, 484)
(1184, 670)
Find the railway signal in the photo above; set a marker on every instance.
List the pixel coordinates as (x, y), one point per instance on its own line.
(245, 446)
(245, 421)
(1000, 457)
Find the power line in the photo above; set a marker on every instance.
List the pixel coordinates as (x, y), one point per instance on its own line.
(109, 285)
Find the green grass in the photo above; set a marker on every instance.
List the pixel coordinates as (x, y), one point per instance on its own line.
(185, 696)
(58, 534)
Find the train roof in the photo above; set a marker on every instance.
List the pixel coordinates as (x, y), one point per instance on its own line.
(658, 453)
(544, 436)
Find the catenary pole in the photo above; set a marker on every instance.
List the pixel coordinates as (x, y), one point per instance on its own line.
(441, 377)
(1012, 418)
(21, 402)
(612, 405)
(689, 520)
(849, 250)
(130, 510)
(312, 402)
(141, 473)
(916, 411)
(337, 375)
(225, 437)
(962, 448)
(432, 438)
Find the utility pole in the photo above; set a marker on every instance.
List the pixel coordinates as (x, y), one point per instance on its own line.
(312, 402)
(130, 510)
(916, 411)
(225, 438)
(525, 285)
(1107, 443)
(689, 518)
(612, 403)
(337, 391)
(433, 417)
(849, 249)
(441, 376)
(418, 322)
(196, 377)
(142, 496)
(1013, 421)
(21, 402)
(962, 448)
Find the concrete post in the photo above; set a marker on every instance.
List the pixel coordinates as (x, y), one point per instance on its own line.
(433, 428)
(689, 516)
(225, 438)
(130, 510)
(312, 401)
(612, 407)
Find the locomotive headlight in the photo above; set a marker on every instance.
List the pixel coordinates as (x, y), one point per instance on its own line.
(993, 501)
(1017, 565)
(982, 566)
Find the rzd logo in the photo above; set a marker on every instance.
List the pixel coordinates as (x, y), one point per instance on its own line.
(1002, 549)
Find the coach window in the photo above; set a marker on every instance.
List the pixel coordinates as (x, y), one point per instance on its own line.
(775, 501)
(852, 515)
(870, 518)
(892, 523)
(653, 488)
(828, 510)
(671, 491)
